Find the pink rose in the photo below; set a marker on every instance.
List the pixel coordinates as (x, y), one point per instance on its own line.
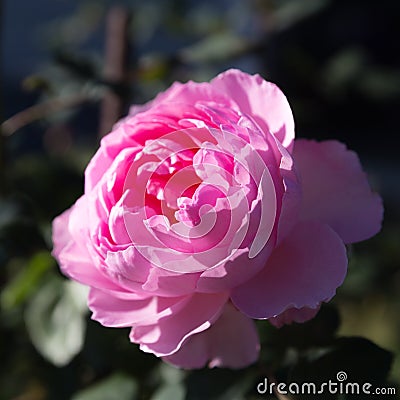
(201, 213)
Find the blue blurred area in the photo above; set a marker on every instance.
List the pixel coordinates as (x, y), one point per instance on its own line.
(23, 47)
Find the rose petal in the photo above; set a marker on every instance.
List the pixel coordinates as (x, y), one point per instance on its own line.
(130, 265)
(60, 233)
(262, 100)
(193, 354)
(238, 269)
(167, 336)
(189, 92)
(231, 342)
(111, 145)
(71, 257)
(167, 283)
(136, 273)
(76, 263)
(304, 270)
(291, 196)
(113, 312)
(72, 254)
(336, 190)
(294, 315)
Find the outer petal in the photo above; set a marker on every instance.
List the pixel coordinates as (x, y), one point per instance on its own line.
(110, 311)
(232, 342)
(72, 253)
(294, 315)
(291, 196)
(193, 354)
(336, 190)
(262, 100)
(167, 336)
(76, 263)
(60, 233)
(74, 260)
(189, 92)
(305, 269)
(111, 145)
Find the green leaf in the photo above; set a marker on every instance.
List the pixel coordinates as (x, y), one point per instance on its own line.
(291, 11)
(55, 319)
(225, 384)
(175, 391)
(23, 285)
(117, 387)
(239, 388)
(216, 47)
(170, 374)
(170, 383)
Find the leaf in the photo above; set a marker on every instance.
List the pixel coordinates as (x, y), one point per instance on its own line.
(170, 374)
(18, 290)
(219, 384)
(117, 387)
(216, 47)
(292, 11)
(239, 388)
(175, 391)
(8, 212)
(55, 319)
(171, 386)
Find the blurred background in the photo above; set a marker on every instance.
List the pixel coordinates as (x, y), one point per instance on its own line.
(71, 68)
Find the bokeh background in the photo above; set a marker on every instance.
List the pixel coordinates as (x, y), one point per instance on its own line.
(70, 68)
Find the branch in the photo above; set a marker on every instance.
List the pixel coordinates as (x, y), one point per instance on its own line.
(42, 110)
(115, 67)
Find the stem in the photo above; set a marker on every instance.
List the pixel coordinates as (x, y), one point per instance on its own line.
(115, 67)
(41, 110)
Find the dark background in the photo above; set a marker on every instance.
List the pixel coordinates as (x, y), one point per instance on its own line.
(338, 64)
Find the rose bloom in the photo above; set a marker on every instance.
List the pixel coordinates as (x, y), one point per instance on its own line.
(201, 213)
